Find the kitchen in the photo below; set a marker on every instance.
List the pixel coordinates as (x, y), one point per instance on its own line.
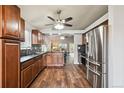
(37, 50)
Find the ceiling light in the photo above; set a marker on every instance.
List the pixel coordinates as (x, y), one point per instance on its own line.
(63, 21)
(59, 26)
(50, 34)
(59, 33)
(62, 37)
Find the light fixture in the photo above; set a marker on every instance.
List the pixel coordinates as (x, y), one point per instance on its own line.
(63, 21)
(59, 33)
(50, 34)
(59, 26)
(62, 37)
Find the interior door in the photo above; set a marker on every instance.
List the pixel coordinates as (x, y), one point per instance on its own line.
(12, 63)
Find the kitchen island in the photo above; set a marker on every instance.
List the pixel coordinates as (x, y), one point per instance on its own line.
(55, 58)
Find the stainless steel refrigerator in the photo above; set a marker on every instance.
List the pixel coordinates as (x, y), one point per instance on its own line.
(96, 56)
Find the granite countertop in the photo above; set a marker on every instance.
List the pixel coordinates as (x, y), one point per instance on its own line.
(26, 58)
(29, 57)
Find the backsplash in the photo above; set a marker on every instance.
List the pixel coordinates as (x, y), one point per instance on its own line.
(35, 49)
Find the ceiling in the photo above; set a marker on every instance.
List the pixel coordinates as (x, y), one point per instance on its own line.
(83, 15)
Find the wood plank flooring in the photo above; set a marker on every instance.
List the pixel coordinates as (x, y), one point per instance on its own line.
(69, 76)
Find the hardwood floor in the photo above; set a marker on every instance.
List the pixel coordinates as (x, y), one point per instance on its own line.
(69, 76)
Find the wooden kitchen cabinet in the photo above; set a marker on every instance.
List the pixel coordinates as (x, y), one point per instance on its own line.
(44, 59)
(60, 59)
(11, 19)
(10, 64)
(55, 59)
(49, 59)
(22, 29)
(35, 69)
(30, 69)
(41, 64)
(39, 37)
(36, 37)
(0, 20)
(26, 76)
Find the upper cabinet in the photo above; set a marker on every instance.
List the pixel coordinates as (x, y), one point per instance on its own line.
(0, 20)
(39, 37)
(36, 37)
(22, 29)
(10, 21)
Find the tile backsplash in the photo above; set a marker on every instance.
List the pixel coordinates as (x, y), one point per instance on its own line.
(30, 51)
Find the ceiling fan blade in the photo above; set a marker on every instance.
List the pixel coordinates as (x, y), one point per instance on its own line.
(68, 19)
(67, 25)
(51, 18)
(48, 24)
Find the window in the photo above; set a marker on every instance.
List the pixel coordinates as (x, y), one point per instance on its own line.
(27, 43)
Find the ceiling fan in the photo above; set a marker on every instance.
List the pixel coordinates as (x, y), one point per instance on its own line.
(58, 22)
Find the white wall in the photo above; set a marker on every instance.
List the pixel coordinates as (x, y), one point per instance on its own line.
(28, 40)
(97, 22)
(116, 46)
(62, 31)
(77, 41)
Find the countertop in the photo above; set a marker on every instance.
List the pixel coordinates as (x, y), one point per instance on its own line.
(29, 57)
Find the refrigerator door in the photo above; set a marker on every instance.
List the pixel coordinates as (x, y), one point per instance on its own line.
(91, 58)
(100, 44)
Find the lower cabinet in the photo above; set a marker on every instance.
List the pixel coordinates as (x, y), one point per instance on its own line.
(26, 76)
(49, 59)
(9, 64)
(55, 59)
(35, 69)
(44, 60)
(60, 59)
(41, 64)
(31, 70)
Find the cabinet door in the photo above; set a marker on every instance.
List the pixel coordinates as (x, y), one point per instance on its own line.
(26, 76)
(35, 69)
(60, 59)
(41, 64)
(11, 17)
(22, 29)
(55, 57)
(49, 59)
(39, 38)
(34, 37)
(11, 56)
(0, 20)
(44, 60)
